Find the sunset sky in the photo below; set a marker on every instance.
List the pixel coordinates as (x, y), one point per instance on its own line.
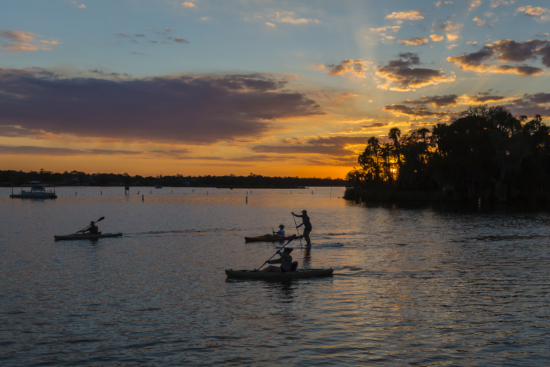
(277, 88)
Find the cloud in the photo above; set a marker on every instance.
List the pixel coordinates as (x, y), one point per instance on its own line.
(436, 38)
(408, 78)
(333, 146)
(506, 51)
(531, 105)
(535, 11)
(474, 4)
(436, 101)
(270, 24)
(496, 3)
(410, 15)
(356, 67)
(24, 41)
(188, 4)
(192, 109)
(180, 40)
(479, 21)
(36, 150)
(414, 113)
(453, 100)
(394, 28)
(290, 17)
(416, 41)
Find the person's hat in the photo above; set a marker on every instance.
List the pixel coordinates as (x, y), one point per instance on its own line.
(92, 222)
(304, 211)
(281, 226)
(288, 250)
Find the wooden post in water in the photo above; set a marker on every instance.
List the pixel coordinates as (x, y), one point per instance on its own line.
(75, 193)
(142, 197)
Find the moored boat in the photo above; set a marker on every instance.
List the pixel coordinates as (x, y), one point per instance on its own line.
(301, 273)
(37, 191)
(86, 236)
(267, 238)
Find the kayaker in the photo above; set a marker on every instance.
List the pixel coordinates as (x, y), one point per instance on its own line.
(285, 260)
(280, 232)
(307, 226)
(92, 229)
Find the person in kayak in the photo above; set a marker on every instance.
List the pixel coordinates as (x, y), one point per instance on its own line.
(285, 260)
(307, 226)
(92, 229)
(280, 232)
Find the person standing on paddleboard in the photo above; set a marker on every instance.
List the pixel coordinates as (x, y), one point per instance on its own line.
(307, 225)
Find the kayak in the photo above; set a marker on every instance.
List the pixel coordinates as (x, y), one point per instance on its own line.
(86, 236)
(266, 238)
(302, 273)
(314, 246)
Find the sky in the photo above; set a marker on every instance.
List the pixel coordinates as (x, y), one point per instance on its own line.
(274, 88)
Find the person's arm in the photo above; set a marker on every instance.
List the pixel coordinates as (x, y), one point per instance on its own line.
(296, 215)
(278, 261)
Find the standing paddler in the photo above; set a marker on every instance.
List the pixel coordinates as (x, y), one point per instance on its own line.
(307, 226)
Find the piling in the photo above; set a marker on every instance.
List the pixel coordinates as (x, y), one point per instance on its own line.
(142, 197)
(247, 199)
(75, 193)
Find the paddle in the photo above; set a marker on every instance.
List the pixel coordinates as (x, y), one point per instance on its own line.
(83, 229)
(279, 250)
(297, 230)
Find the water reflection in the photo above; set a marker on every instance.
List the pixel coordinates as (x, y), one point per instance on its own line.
(414, 284)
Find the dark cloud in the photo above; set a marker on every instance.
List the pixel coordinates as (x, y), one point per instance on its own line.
(531, 105)
(506, 51)
(35, 150)
(416, 41)
(408, 78)
(376, 124)
(413, 112)
(193, 109)
(436, 101)
(333, 146)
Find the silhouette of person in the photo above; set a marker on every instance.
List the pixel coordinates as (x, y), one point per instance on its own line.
(307, 226)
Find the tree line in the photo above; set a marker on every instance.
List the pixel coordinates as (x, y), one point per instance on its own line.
(485, 153)
(78, 178)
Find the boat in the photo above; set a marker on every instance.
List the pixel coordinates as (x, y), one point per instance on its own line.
(269, 238)
(313, 246)
(37, 191)
(301, 273)
(86, 236)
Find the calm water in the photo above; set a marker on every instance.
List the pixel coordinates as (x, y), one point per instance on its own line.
(426, 285)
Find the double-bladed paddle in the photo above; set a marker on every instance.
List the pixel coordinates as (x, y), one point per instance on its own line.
(84, 229)
(279, 250)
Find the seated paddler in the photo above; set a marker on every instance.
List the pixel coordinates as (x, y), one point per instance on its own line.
(285, 260)
(92, 229)
(280, 232)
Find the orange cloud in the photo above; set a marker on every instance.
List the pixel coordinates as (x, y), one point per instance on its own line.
(24, 41)
(416, 41)
(436, 38)
(356, 67)
(535, 11)
(410, 15)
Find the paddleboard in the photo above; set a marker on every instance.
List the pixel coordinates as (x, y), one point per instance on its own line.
(314, 246)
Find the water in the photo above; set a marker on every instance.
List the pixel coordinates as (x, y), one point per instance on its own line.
(422, 285)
